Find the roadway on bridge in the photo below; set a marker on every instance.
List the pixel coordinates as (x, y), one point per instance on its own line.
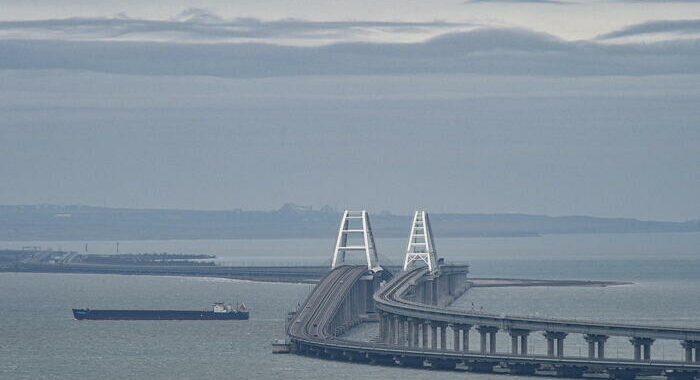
(389, 299)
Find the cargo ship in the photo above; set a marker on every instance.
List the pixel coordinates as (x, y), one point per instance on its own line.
(218, 312)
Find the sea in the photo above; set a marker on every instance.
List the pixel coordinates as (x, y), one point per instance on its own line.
(39, 339)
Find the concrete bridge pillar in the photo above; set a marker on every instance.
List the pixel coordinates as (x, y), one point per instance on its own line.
(555, 343)
(642, 346)
(419, 293)
(443, 336)
(427, 291)
(519, 341)
(689, 347)
(382, 327)
(435, 291)
(455, 336)
(593, 341)
(488, 338)
(457, 282)
(560, 347)
(388, 329)
(404, 331)
(396, 339)
(465, 337)
(416, 325)
(412, 333)
(433, 335)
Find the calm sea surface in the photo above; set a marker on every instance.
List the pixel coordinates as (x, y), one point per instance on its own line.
(40, 340)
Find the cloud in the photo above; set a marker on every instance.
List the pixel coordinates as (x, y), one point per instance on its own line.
(202, 25)
(658, 26)
(483, 51)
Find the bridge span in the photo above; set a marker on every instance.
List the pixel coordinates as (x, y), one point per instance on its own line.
(415, 335)
(417, 328)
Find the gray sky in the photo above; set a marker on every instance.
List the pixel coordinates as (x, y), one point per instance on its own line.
(484, 106)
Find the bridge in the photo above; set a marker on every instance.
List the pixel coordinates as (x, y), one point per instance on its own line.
(418, 329)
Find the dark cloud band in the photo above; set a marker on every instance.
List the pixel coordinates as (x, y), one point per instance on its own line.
(653, 27)
(199, 24)
(485, 51)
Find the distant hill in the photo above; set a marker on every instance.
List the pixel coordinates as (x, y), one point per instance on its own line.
(50, 222)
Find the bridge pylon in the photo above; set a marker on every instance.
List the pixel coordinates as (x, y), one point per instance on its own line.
(356, 223)
(420, 243)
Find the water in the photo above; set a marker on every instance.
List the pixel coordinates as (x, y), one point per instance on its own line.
(40, 339)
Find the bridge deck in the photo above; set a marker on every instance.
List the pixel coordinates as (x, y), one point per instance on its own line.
(389, 299)
(309, 330)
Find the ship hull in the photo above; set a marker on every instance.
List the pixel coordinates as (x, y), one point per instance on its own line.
(156, 315)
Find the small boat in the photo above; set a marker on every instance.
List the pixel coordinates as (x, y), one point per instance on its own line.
(218, 312)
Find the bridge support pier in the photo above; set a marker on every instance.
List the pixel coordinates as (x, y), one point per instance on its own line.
(465, 337)
(593, 341)
(403, 337)
(396, 327)
(433, 335)
(418, 293)
(642, 346)
(443, 336)
(411, 327)
(455, 336)
(383, 335)
(434, 291)
(488, 338)
(415, 323)
(689, 346)
(429, 290)
(555, 340)
(389, 329)
(519, 341)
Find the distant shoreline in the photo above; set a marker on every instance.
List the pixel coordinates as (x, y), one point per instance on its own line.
(315, 273)
(465, 236)
(84, 223)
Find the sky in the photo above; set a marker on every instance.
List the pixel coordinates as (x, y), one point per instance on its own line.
(557, 107)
